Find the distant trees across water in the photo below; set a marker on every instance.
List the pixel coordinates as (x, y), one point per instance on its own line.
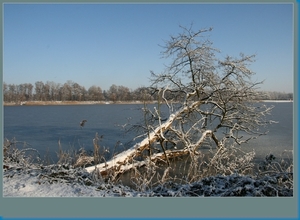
(72, 91)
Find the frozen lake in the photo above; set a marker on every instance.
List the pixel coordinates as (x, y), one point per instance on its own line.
(43, 126)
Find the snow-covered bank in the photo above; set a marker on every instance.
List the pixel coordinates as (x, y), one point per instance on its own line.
(66, 181)
(26, 185)
(37, 103)
(276, 100)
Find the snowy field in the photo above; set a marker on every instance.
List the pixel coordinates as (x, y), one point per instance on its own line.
(66, 181)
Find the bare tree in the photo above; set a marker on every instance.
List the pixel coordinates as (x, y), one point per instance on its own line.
(124, 93)
(217, 96)
(95, 93)
(47, 92)
(78, 92)
(53, 90)
(29, 88)
(217, 104)
(66, 91)
(143, 94)
(39, 91)
(119, 93)
(12, 93)
(5, 92)
(279, 95)
(113, 93)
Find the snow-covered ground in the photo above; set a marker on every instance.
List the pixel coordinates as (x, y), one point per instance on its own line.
(65, 181)
(277, 100)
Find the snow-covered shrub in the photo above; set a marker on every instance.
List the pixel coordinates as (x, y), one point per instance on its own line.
(281, 170)
(224, 186)
(230, 160)
(20, 156)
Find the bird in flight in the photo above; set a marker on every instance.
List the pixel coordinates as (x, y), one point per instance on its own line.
(82, 123)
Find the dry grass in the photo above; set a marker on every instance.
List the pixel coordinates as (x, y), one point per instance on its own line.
(19, 153)
(192, 168)
(184, 170)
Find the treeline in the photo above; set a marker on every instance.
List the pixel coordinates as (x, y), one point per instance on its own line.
(71, 91)
(279, 96)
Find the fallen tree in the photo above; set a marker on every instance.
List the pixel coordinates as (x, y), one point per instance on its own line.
(208, 100)
(125, 160)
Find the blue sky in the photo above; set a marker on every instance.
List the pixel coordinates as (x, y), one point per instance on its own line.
(105, 44)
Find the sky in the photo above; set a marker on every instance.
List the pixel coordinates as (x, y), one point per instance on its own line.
(103, 44)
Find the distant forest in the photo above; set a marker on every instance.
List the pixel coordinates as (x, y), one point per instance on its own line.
(71, 91)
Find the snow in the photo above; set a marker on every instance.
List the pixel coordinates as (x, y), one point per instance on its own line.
(67, 181)
(29, 187)
(44, 183)
(276, 100)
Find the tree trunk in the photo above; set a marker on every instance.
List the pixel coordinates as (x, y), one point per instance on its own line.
(125, 160)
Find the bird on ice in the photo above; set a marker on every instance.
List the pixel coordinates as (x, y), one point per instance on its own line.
(82, 123)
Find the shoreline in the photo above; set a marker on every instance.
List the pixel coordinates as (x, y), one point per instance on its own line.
(277, 101)
(38, 103)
